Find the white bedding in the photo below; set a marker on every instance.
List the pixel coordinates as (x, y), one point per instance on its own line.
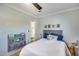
(45, 47)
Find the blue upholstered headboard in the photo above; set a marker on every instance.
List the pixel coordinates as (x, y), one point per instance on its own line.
(53, 32)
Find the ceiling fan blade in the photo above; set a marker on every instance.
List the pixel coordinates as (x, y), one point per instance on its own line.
(37, 6)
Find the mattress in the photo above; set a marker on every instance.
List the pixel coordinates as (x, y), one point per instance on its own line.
(45, 47)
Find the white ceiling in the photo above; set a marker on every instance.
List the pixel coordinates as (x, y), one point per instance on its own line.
(48, 8)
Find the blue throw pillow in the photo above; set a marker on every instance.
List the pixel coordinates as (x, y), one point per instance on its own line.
(60, 37)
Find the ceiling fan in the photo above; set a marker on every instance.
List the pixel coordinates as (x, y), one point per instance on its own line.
(37, 6)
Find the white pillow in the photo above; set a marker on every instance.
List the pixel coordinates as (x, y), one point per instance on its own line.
(54, 37)
(51, 37)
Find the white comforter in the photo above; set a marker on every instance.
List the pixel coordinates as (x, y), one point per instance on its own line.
(45, 47)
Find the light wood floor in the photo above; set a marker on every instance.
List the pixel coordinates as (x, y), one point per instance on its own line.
(16, 54)
(17, 51)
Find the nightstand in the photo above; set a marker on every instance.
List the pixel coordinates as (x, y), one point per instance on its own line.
(72, 49)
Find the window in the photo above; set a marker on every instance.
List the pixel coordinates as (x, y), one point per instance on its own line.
(33, 28)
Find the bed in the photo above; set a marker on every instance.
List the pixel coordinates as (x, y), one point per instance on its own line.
(44, 47)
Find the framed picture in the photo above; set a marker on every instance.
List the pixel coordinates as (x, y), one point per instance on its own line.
(45, 26)
(53, 26)
(58, 25)
(49, 26)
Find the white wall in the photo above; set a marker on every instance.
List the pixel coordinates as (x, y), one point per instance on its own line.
(12, 21)
(69, 23)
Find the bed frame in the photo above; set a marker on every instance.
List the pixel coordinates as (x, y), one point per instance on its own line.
(60, 32)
